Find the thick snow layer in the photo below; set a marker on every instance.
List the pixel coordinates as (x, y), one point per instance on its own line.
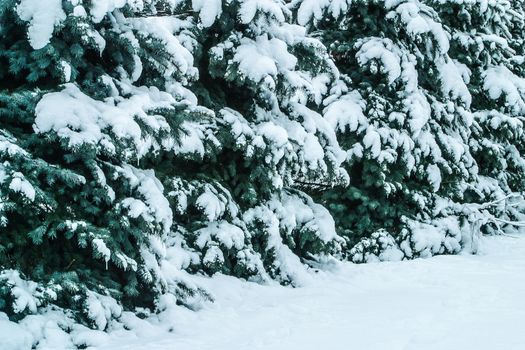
(458, 302)
(82, 120)
(446, 302)
(262, 57)
(13, 336)
(208, 10)
(43, 16)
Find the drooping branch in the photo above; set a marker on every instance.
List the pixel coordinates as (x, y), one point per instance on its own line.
(488, 217)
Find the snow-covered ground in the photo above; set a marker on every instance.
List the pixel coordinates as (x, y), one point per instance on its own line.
(448, 302)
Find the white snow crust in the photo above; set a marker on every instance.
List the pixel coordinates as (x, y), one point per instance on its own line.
(457, 302)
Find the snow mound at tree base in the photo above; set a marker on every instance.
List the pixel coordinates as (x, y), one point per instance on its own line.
(446, 302)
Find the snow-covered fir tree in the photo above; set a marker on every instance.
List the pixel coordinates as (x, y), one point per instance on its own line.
(265, 80)
(145, 140)
(487, 39)
(408, 113)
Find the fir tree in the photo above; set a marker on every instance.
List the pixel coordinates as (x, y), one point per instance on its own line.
(265, 79)
(487, 39)
(405, 115)
(143, 141)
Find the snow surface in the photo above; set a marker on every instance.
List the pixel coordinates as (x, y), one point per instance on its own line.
(446, 302)
(462, 302)
(43, 16)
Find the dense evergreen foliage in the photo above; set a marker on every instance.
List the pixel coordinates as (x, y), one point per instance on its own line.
(433, 125)
(142, 142)
(125, 167)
